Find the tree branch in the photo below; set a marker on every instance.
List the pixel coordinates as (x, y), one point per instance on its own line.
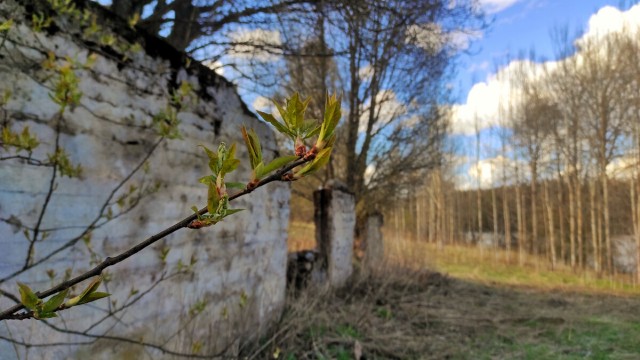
(10, 314)
(94, 224)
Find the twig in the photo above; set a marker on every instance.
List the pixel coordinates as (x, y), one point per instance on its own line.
(10, 296)
(28, 159)
(131, 302)
(50, 191)
(10, 314)
(26, 344)
(135, 342)
(93, 225)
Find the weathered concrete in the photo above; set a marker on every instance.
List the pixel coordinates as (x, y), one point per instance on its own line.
(374, 251)
(240, 273)
(335, 224)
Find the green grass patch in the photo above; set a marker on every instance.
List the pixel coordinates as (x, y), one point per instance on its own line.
(589, 339)
(491, 267)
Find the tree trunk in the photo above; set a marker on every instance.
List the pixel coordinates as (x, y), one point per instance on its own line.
(579, 222)
(534, 211)
(572, 223)
(507, 222)
(432, 211)
(550, 225)
(607, 221)
(594, 232)
(186, 28)
(494, 206)
(562, 235)
(638, 233)
(418, 219)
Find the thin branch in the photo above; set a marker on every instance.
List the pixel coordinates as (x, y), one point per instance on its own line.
(28, 159)
(10, 314)
(129, 340)
(10, 296)
(131, 302)
(94, 224)
(26, 344)
(52, 186)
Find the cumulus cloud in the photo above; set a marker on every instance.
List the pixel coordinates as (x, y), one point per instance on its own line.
(481, 108)
(487, 99)
(611, 20)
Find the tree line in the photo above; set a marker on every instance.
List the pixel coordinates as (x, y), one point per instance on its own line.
(564, 159)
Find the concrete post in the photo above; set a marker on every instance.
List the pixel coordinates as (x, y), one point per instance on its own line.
(335, 224)
(374, 246)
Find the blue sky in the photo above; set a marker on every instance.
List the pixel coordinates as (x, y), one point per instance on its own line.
(523, 25)
(517, 27)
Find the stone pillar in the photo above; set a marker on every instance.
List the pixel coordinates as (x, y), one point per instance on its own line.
(335, 224)
(374, 246)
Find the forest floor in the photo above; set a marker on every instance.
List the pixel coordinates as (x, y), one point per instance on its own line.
(459, 305)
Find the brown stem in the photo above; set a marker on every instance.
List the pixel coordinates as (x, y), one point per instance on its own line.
(50, 191)
(10, 314)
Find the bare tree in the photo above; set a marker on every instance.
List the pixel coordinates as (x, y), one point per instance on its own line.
(397, 54)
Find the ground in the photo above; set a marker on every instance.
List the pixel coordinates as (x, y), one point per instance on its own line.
(428, 315)
(459, 305)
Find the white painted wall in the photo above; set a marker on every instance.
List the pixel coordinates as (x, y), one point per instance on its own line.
(245, 254)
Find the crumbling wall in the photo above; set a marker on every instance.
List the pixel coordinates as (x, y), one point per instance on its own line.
(238, 279)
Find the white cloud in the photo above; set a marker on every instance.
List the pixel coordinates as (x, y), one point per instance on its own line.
(432, 38)
(429, 36)
(611, 20)
(495, 6)
(461, 39)
(487, 172)
(256, 44)
(366, 72)
(482, 106)
(483, 66)
(216, 66)
(264, 104)
(388, 108)
(623, 168)
(486, 99)
(369, 172)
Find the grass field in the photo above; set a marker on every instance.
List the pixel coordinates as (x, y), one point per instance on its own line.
(456, 303)
(496, 266)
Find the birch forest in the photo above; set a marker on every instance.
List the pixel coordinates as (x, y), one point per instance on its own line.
(556, 172)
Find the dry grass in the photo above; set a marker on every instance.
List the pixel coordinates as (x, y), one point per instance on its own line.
(484, 308)
(302, 236)
(407, 314)
(497, 266)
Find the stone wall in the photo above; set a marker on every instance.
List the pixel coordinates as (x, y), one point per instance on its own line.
(238, 281)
